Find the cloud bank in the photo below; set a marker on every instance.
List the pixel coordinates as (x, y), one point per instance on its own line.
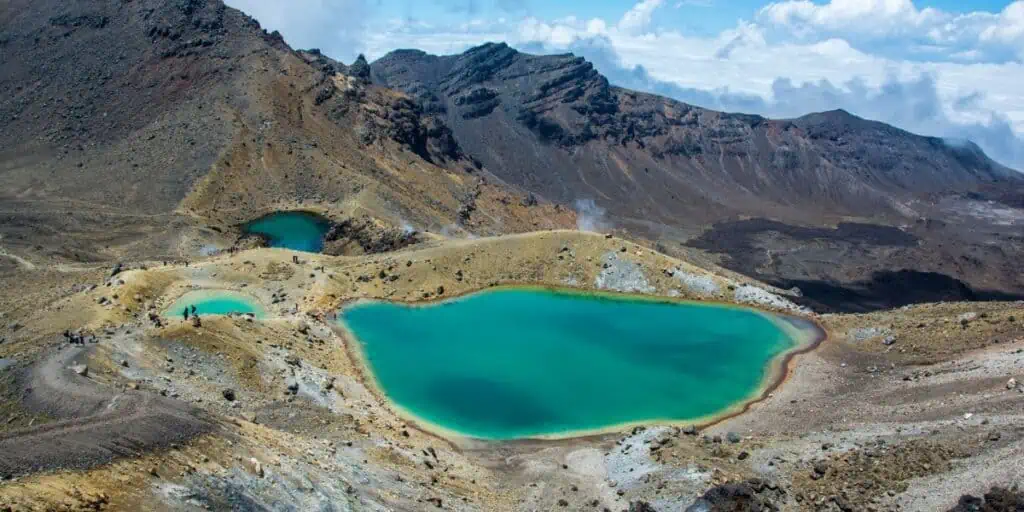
(334, 26)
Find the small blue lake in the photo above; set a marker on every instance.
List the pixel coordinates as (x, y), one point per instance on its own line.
(298, 231)
(521, 363)
(215, 302)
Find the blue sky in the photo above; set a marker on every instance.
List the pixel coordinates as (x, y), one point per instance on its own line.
(708, 16)
(936, 67)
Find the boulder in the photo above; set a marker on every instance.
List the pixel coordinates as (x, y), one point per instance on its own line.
(257, 467)
(1011, 384)
(745, 496)
(733, 437)
(641, 506)
(229, 394)
(360, 68)
(996, 499)
(81, 369)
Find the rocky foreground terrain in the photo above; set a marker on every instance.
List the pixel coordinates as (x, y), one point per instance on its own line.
(139, 136)
(910, 409)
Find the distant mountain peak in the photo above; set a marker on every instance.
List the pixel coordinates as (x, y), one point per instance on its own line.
(542, 121)
(489, 45)
(360, 68)
(838, 112)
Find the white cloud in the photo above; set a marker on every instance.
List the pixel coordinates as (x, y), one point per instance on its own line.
(872, 16)
(1009, 29)
(977, 35)
(334, 26)
(639, 17)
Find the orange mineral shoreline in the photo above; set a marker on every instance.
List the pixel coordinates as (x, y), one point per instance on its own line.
(779, 371)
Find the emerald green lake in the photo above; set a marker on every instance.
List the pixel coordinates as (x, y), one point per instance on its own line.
(298, 231)
(519, 363)
(215, 302)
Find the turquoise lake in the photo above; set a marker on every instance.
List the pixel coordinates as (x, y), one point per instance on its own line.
(519, 363)
(298, 231)
(215, 302)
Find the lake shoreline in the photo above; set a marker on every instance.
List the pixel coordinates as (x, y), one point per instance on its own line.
(779, 367)
(297, 230)
(201, 295)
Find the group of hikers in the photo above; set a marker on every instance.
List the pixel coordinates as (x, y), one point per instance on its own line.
(186, 311)
(75, 338)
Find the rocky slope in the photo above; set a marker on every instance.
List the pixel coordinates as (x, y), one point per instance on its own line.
(667, 170)
(555, 125)
(151, 128)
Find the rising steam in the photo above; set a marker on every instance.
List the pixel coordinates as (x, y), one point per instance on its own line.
(590, 216)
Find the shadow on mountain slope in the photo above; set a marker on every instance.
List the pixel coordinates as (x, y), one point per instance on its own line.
(859, 267)
(887, 290)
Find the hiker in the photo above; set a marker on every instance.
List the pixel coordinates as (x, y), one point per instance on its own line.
(194, 310)
(185, 313)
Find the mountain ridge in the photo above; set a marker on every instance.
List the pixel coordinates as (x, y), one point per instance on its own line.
(670, 171)
(566, 105)
(496, 47)
(189, 118)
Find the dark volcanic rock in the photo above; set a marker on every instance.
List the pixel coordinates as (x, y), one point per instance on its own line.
(368, 235)
(85, 77)
(891, 264)
(94, 21)
(480, 102)
(360, 68)
(998, 499)
(641, 506)
(750, 496)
